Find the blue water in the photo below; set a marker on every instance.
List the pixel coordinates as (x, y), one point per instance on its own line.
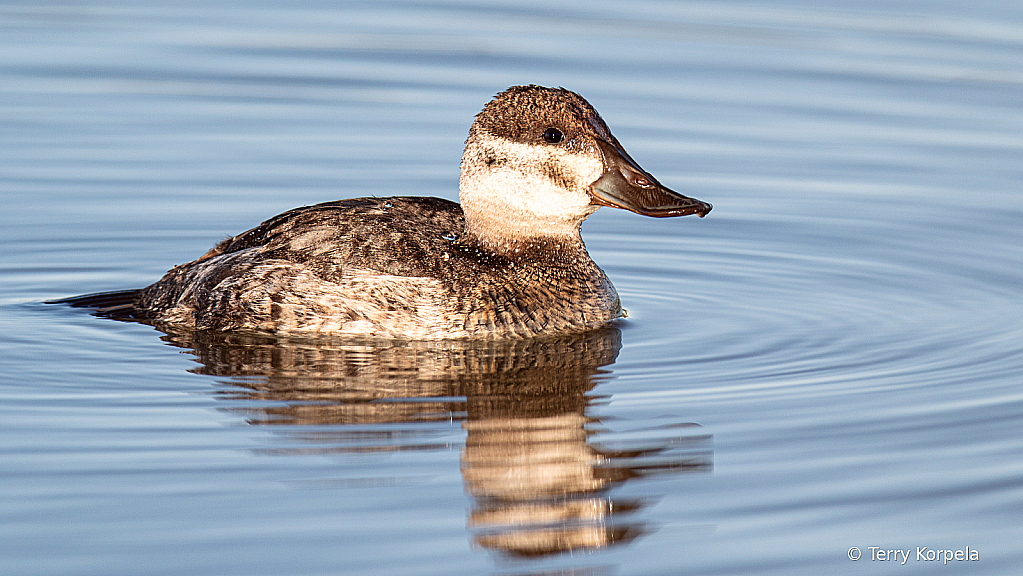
(831, 359)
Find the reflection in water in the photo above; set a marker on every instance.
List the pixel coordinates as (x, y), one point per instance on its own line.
(538, 468)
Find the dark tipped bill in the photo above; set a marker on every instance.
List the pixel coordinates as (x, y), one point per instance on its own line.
(625, 185)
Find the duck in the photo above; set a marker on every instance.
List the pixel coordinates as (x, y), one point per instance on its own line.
(508, 261)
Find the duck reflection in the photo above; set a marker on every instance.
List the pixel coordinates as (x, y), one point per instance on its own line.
(538, 467)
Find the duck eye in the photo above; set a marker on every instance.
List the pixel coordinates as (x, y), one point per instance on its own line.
(553, 136)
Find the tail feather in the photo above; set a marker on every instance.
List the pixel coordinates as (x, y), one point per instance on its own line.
(119, 304)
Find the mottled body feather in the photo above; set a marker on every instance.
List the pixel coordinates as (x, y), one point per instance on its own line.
(393, 267)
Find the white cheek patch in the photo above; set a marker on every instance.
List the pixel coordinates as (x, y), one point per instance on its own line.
(526, 190)
(569, 170)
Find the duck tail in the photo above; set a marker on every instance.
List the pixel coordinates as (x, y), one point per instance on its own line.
(118, 304)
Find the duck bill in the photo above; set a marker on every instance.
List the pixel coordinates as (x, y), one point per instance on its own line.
(625, 185)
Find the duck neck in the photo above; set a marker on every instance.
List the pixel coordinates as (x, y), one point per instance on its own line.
(507, 238)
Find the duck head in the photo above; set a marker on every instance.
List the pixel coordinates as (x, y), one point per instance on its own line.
(538, 161)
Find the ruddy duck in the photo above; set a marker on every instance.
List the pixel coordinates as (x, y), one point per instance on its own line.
(508, 262)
